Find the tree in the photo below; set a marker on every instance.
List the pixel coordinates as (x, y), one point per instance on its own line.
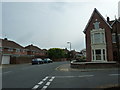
(56, 53)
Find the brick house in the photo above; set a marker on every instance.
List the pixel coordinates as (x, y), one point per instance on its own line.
(101, 41)
(13, 53)
(9, 49)
(36, 51)
(83, 52)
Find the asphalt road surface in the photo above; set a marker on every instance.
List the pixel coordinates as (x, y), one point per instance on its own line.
(46, 76)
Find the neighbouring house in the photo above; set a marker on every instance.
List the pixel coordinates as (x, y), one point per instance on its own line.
(10, 49)
(13, 53)
(102, 38)
(74, 54)
(66, 50)
(36, 51)
(83, 52)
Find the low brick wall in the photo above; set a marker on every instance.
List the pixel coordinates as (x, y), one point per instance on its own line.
(88, 65)
(20, 60)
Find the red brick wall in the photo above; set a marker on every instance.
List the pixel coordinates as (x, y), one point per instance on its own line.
(115, 47)
(20, 60)
(5, 51)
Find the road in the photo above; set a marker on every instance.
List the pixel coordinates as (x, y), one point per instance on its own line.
(46, 76)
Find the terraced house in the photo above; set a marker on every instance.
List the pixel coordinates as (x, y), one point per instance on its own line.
(13, 53)
(11, 49)
(102, 38)
(36, 51)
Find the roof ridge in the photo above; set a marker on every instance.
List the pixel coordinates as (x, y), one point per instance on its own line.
(10, 41)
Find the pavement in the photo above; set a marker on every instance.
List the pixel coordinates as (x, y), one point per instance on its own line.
(12, 65)
(66, 67)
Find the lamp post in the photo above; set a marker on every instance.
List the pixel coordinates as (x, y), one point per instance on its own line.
(70, 50)
(70, 45)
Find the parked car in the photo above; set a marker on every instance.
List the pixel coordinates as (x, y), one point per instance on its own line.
(47, 60)
(37, 61)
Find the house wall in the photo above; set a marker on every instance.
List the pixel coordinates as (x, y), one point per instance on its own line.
(115, 47)
(108, 37)
(6, 51)
(37, 53)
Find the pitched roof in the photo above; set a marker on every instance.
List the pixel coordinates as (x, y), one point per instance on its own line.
(34, 48)
(116, 20)
(11, 44)
(96, 11)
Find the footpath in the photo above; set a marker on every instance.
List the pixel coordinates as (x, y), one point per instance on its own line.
(66, 67)
(12, 65)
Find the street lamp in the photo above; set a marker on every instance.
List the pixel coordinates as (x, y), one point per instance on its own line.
(70, 50)
(70, 45)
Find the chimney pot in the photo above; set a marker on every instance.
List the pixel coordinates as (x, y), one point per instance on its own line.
(108, 19)
(5, 39)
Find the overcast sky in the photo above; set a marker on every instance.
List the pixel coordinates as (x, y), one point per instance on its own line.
(51, 24)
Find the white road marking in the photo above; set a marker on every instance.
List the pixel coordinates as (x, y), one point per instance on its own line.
(86, 76)
(45, 79)
(74, 76)
(51, 80)
(53, 77)
(44, 87)
(48, 83)
(35, 87)
(40, 82)
(114, 74)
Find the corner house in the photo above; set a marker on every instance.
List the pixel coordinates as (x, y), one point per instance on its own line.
(102, 38)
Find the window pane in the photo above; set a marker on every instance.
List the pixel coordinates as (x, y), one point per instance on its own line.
(103, 38)
(97, 38)
(98, 54)
(96, 25)
(98, 51)
(113, 39)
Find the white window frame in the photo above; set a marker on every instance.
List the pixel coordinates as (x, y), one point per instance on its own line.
(101, 45)
(102, 36)
(17, 50)
(10, 50)
(102, 55)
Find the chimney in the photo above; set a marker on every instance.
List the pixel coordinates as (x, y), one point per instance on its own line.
(108, 19)
(5, 39)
